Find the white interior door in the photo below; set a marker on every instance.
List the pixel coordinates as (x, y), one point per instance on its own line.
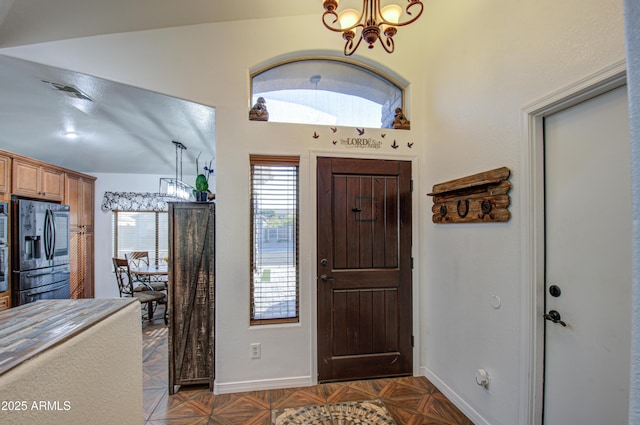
(588, 258)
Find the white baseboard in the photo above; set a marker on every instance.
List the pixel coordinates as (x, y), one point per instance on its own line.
(453, 397)
(263, 384)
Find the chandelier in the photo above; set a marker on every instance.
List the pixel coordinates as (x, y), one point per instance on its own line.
(175, 187)
(372, 23)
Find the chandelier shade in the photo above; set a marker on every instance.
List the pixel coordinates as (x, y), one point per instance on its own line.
(371, 24)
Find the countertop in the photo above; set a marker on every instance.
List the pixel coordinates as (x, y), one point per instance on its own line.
(30, 329)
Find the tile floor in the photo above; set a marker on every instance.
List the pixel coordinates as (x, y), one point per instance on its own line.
(409, 401)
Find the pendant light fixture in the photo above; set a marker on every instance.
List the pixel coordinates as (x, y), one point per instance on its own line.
(175, 187)
(370, 24)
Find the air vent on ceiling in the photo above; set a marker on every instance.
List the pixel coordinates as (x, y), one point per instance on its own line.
(68, 90)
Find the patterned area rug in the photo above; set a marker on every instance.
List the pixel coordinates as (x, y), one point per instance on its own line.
(352, 413)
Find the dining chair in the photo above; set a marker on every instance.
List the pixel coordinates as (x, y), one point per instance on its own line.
(127, 289)
(139, 259)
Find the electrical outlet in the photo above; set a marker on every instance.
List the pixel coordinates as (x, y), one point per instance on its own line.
(255, 350)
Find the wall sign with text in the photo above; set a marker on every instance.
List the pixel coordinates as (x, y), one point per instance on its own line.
(359, 140)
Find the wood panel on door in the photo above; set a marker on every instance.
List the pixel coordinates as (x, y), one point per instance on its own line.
(191, 294)
(364, 269)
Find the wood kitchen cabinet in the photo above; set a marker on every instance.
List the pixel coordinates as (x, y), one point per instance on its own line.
(5, 196)
(5, 301)
(31, 178)
(5, 177)
(35, 180)
(81, 265)
(191, 294)
(79, 195)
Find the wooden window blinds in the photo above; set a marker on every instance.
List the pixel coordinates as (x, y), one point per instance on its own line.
(274, 239)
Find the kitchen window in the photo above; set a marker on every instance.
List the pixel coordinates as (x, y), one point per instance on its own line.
(141, 231)
(274, 240)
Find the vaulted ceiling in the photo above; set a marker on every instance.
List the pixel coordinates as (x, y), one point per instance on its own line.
(127, 123)
(35, 21)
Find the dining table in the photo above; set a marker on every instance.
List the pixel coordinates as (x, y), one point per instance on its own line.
(151, 270)
(151, 273)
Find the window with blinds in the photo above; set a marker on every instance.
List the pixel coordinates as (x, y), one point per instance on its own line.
(141, 231)
(274, 240)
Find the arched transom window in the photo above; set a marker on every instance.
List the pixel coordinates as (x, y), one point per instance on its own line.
(328, 92)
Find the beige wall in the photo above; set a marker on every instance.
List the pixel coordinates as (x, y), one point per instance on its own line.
(472, 67)
(487, 60)
(632, 25)
(93, 378)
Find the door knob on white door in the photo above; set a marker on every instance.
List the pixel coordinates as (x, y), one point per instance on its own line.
(555, 317)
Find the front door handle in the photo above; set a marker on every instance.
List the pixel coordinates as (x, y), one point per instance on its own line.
(324, 277)
(554, 317)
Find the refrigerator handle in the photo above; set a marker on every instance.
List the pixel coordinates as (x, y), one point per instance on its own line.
(47, 235)
(52, 249)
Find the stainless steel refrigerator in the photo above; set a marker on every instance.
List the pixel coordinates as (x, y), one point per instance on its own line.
(40, 251)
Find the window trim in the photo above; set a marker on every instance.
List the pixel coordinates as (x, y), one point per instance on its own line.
(273, 160)
(373, 68)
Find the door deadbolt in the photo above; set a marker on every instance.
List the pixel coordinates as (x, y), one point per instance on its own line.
(555, 291)
(324, 262)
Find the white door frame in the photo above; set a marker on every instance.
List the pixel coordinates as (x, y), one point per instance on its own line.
(532, 229)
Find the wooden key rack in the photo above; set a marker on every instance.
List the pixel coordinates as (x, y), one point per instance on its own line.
(478, 198)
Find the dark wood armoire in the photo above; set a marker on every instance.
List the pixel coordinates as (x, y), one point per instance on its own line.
(191, 290)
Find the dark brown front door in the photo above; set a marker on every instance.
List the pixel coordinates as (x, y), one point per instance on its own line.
(364, 269)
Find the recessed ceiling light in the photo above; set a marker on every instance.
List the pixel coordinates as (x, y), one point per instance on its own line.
(71, 135)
